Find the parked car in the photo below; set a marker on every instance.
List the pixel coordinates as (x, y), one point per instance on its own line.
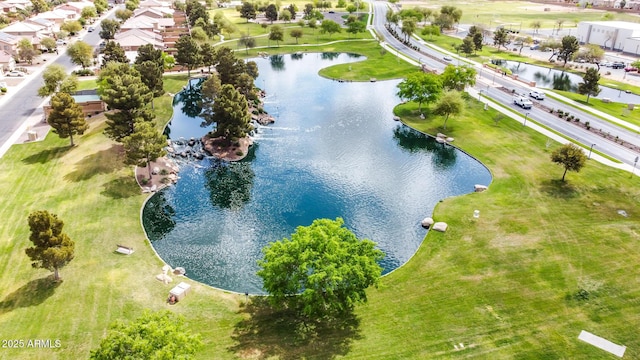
(15, 73)
(536, 94)
(535, 47)
(446, 58)
(618, 65)
(90, 29)
(630, 69)
(61, 42)
(606, 64)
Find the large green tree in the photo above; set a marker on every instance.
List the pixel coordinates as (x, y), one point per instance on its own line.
(500, 37)
(26, 51)
(123, 91)
(231, 114)
(89, 12)
(188, 54)
(570, 156)
(208, 55)
(458, 77)
(149, 53)
(589, 85)
(247, 11)
(450, 103)
(210, 90)
(155, 336)
(113, 52)
(228, 66)
(151, 76)
(323, 270)
(72, 27)
(39, 6)
(56, 80)
(271, 13)
(330, 26)
(420, 87)
(109, 28)
(276, 34)
(66, 117)
(570, 46)
(80, 53)
(144, 145)
(52, 249)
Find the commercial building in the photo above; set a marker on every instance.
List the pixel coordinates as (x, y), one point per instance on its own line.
(611, 35)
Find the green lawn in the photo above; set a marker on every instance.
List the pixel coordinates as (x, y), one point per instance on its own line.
(617, 109)
(545, 260)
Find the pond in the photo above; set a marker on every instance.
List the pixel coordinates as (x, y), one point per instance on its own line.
(334, 151)
(549, 78)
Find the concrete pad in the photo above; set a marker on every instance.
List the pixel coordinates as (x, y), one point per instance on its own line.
(602, 343)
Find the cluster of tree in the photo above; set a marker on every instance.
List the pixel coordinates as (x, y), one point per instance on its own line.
(226, 95)
(271, 12)
(443, 89)
(202, 26)
(323, 271)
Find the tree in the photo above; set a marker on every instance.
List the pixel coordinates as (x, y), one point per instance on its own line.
(408, 27)
(231, 114)
(108, 29)
(121, 88)
(458, 77)
(467, 45)
(160, 335)
(623, 3)
(431, 30)
(39, 6)
(592, 53)
(26, 51)
(271, 13)
(89, 12)
(296, 34)
(330, 26)
(49, 44)
(228, 66)
(356, 27)
(56, 80)
(570, 46)
(450, 103)
(421, 87)
(210, 90)
(307, 11)
(52, 249)
(292, 11)
(323, 270)
(149, 53)
(188, 53)
(72, 27)
(80, 53)
(248, 42)
(144, 145)
(248, 11)
(123, 14)
(276, 34)
(101, 5)
(536, 25)
(570, 156)
(151, 76)
(208, 55)
(285, 15)
(113, 52)
(66, 117)
(500, 37)
(589, 84)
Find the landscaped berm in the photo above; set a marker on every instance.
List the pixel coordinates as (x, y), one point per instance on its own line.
(226, 150)
(546, 260)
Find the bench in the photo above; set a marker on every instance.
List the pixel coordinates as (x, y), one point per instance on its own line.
(126, 250)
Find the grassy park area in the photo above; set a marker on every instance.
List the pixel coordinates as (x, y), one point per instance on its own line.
(545, 259)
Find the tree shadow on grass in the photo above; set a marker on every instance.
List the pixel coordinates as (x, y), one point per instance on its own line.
(268, 333)
(101, 162)
(46, 155)
(33, 293)
(121, 188)
(559, 189)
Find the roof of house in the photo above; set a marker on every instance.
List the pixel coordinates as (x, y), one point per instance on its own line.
(22, 26)
(56, 14)
(8, 38)
(41, 21)
(79, 4)
(18, 2)
(5, 57)
(140, 22)
(137, 41)
(159, 12)
(143, 34)
(154, 3)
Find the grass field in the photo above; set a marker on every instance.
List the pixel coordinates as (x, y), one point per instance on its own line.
(545, 260)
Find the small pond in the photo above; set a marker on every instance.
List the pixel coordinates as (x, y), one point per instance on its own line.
(548, 78)
(334, 151)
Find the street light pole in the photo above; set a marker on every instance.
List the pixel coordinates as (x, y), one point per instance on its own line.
(635, 162)
(591, 149)
(480, 94)
(525, 119)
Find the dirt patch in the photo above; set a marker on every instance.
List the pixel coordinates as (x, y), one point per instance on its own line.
(166, 174)
(224, 150)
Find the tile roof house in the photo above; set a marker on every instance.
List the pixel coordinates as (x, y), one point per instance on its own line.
(154, 3)
(7, 62)
(8, 43)
(75, 6)
(59, 16)
(7, 7)
(144, 22)
(19, 4)
(49, 27)
(154, 12)
(131, 40)
(25, 29)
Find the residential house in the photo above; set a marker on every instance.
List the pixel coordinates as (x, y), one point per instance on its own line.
(156, 13)
(18, 4)
(131, 40)
(7, 62)
(9, 43)
(89, 101)
(6, 7)
(49, 27)
(59, 16)
(75, 6)
(144, 22)
(26, 29)
(154, 4)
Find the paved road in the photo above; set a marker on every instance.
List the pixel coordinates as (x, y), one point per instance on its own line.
(489, 83)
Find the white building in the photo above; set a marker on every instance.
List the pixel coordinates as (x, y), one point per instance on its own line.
(611, 35)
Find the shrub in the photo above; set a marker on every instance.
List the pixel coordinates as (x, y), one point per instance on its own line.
(144, 181)
(588, 125)
(84, 72)
(164, 172)
(3, 89)
(239, 153)
(551, 110)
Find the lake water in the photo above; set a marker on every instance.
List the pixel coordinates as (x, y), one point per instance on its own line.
(334, 151)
